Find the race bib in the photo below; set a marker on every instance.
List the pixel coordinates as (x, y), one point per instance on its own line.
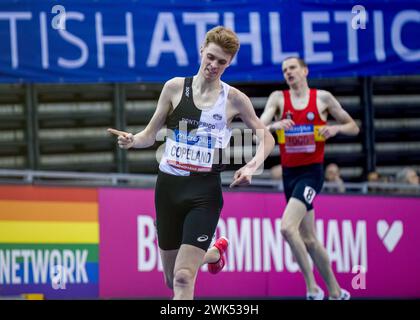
(300, 138)
(189, 152)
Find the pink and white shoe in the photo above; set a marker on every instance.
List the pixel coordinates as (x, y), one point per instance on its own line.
(319, 295)
(221, 244)
(344, 295)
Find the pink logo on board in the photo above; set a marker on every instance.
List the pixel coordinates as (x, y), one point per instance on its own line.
(390, 235)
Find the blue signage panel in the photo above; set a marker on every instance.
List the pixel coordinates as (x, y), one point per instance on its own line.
(152, 41)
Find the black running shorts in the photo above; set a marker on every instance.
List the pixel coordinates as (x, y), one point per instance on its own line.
(303, 183)
(187, 209)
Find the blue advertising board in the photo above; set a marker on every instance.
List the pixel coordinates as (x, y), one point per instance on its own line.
(151, 41)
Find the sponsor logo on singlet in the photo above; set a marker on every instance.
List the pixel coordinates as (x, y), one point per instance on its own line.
(289, 115)
(199, 123)
(310, 116)
(217, 117)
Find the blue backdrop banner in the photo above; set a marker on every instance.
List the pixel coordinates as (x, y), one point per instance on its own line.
(152, 41)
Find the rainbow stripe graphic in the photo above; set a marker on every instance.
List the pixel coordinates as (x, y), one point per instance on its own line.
(49, 241)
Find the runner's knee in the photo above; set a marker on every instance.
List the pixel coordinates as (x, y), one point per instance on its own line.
(183, 278)
(288, 231)
(310, 242)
